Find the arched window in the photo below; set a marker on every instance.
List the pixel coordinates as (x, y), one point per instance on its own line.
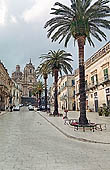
(30, 70)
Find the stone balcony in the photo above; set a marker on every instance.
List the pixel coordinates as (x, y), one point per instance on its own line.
(102, 82)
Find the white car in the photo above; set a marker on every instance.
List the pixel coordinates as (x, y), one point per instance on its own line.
(16, 108)
(20, 105)
(31, 108)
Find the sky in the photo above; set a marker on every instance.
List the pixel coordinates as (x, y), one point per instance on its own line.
(22, 33)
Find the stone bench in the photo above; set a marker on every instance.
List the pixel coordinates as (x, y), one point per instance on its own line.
(100, 126)
(69, 121)
(76, 126)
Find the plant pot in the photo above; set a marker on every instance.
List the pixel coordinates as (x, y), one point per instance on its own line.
(100, 114)
(106, 115)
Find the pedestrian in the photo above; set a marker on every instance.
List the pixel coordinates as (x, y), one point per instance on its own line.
(65, 115)
(66, 111)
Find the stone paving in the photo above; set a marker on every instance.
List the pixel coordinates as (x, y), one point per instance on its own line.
(28, 141)
(96, 136)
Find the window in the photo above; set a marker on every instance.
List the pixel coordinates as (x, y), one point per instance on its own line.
(14, 93)
(94, 79)
(30, 81)
(73, 82)
(30, 70)
(108, 90)
(74, 93)
(65, 83)
(105, 74)
(95, 94)
(17, 96)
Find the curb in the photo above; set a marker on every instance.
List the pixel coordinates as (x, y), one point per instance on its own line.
(3, 113)
(72, 137)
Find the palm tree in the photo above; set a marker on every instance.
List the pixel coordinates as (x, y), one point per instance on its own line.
(38, 89)
(57, 61)
(79, 21)
(43, 70)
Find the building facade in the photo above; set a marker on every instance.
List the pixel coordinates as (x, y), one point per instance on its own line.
(26, 80)
(17, 75)
(97, 80)
(66, 92)
(29, 79)
(16, 93)
(5, 87)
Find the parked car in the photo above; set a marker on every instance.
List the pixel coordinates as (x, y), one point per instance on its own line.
(16, 108)
(31, 108)
(42, 108)
(20, 105)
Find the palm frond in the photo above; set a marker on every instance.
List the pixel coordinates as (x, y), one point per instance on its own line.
(82, 18)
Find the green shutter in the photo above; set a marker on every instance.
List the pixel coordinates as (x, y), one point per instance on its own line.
(92, 79)
(96, 78)
(106, 71)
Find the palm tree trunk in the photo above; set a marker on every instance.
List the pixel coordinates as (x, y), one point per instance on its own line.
(82, 119)
(56, 91)
(39, 98)
(45, 80)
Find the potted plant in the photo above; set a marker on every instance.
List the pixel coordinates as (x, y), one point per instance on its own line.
(105, 110)
(100, 111)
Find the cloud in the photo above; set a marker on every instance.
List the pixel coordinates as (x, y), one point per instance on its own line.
(23, 35)
(38, 10)
(13, 19)
(3, 12)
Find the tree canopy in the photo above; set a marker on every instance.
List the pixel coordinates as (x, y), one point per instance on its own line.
(83, 18)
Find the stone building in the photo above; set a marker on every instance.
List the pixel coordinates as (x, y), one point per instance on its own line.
(16, 93)
(29, 79)
(5, 87)
(97, 80)
(97, 76)
(25, 79)
(66, 93)
(17, 75)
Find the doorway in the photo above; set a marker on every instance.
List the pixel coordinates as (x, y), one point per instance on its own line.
(108, 100)
(96, 101)
(96, 105)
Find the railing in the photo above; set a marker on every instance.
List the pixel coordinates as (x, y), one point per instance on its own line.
(105, 79)
(102, 81)
(65, 86)
(91, 85)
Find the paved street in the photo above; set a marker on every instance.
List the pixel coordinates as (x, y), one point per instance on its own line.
(29, 142)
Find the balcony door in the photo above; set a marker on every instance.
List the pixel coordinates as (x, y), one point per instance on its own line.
(96, 101)
(108, 100)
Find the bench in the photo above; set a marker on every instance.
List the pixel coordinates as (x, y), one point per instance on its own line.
(100, 126)
(76, 126)
(91, 126)
(69, 121)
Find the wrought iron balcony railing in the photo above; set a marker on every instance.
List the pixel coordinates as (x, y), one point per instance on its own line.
(105, 80)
